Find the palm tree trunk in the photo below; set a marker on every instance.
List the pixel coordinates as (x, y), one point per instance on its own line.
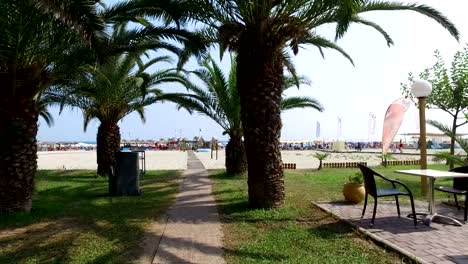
(259, 80)
(108, 144)
(236, 160)
(18, 153)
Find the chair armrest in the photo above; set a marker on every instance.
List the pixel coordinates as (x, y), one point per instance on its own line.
(387, 179)
(395, 181)
(402, 184)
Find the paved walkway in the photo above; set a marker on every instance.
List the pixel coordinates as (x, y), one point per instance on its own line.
(435, 244)
(193, 231)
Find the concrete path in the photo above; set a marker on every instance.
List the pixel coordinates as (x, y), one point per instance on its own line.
(193, 231)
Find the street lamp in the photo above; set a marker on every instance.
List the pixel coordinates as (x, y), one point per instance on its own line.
(422, 89)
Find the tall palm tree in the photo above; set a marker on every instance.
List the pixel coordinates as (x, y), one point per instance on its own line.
(42, 43)
(36, 48)
(220, 101)
(109, 92)
(261, 31)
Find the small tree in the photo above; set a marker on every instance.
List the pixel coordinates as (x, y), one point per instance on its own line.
(386, 157)
(321, 157)
(450, 89)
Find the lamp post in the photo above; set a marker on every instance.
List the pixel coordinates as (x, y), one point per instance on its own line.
(422, 89)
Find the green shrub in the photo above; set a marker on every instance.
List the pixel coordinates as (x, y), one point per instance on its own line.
(356, 178)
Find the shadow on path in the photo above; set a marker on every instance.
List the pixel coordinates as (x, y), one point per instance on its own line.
(193, 232)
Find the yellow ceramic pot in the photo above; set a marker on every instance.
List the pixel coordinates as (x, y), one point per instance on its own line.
(354, 192)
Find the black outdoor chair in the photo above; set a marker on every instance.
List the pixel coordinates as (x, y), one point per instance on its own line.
(460, 186)
(371, 189)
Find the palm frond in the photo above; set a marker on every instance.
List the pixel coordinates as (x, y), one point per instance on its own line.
(111, 90)
(153, 61)
(78, 14)
(344, 12)
(194, 103)
(42, 105)
(422, 9)
(458, 139)
(289, 65)
(290, 81)
(359, 20)
(86, 119)
(166, 10)
(447, 157)
(443, 128)
(300, 102)
(321, 156)
(321, 42)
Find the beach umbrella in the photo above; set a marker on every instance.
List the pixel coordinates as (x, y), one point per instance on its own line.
(392, 121)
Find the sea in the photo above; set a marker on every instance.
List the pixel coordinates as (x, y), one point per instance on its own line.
(87, 142)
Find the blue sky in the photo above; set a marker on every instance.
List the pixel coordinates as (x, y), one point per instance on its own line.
(348, 92)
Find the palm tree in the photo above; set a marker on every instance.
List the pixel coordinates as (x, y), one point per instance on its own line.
(219, 100)
(321, 157)
(42, 42)
(36, 48)
(109, 92)
(261, 32)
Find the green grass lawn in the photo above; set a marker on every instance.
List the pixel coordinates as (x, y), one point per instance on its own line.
(299, 232)
(75, 221)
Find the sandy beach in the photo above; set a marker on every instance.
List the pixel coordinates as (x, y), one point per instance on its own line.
(304, 159)
(177, 160)
(86, 160)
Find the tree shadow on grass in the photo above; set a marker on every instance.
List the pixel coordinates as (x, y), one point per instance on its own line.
(166, 253)
(216, 193)
(68, 175)
(50, 241)
(239, 210)
(98, 229)
(56, 241)
(222, 175)
(333, 230)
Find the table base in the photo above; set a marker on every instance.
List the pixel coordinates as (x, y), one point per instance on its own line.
(437, 218)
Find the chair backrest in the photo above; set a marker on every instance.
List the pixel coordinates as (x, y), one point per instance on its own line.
(460, 183)
(369, 181)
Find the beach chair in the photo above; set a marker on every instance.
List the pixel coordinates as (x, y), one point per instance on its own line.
(459, 187)
(371, 189)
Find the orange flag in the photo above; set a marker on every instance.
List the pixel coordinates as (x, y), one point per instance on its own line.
(392, 122)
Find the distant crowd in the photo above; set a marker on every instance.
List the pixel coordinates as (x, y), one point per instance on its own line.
(64, 147)
(328, 145)
(357, 146)
(146, 147)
